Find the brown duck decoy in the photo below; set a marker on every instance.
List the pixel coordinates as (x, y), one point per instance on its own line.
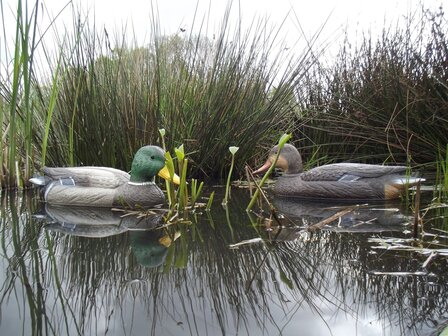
(343, 181)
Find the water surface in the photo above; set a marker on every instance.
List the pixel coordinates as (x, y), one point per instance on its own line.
(73, 271)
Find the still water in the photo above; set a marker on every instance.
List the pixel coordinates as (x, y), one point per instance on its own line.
(94, 272)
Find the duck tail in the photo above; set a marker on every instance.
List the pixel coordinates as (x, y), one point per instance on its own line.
(39, 180)
(407, 181)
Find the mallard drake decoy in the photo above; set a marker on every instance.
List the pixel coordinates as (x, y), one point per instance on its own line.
(349, 181)
(108, 187)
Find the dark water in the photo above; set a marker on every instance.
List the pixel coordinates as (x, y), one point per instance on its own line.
(95, 273)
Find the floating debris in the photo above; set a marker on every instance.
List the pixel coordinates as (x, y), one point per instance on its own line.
(246, 242)
(419, 273)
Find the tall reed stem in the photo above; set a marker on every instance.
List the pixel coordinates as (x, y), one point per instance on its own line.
(283, 139)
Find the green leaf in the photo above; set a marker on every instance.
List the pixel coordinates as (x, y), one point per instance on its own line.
(169, 163)
(284, 139)
(180, 153)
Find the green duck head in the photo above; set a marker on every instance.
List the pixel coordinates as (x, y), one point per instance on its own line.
(148, 162)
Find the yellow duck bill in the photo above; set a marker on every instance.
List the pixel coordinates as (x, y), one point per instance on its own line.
(165, 174)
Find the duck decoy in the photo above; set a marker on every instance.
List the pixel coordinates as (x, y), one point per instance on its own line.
(108, 187)
(343, 181)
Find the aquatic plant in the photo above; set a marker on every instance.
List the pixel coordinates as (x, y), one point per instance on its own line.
(179, 201)
(210, 201)
(183, 190)
(232, 150)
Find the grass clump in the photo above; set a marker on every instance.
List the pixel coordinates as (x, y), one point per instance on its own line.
(382, 100)
(16, 86)
(107, 97)
(207, 93)
(441, 181)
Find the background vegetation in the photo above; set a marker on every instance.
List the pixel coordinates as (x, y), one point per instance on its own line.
(383, 100)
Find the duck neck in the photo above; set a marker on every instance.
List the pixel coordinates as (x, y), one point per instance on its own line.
(141, 171)
(295, 167)
(290, 160)
(138, 177)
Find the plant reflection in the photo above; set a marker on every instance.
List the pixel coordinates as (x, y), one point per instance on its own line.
(185, 278)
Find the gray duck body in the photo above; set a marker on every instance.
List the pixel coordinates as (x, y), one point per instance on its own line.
(100, 187)
(343, 181)
(107, 187)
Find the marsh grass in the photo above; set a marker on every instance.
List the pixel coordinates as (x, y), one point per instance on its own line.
(441, 180)
(106, 96)
(206, 93)
(384, 99)
(16, 103)
(379, 101)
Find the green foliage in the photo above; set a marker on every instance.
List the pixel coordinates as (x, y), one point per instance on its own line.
(16, 103)
(206, 93)
(441, 181)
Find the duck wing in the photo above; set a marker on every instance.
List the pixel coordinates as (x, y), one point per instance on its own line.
(350, 172)
(95, 177)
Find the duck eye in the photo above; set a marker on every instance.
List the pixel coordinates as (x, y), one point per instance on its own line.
(152, 157)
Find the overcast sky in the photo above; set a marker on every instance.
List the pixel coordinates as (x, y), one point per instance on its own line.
(356, 15)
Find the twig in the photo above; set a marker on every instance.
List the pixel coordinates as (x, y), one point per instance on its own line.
(428, 260)
(251, 193)
(263, 194)
(328, 220)
(417, 210)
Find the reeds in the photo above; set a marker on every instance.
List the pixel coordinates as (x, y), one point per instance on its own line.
(380, 101)
(383, 99)
(207, 93)
(441, 181)
(16, 83)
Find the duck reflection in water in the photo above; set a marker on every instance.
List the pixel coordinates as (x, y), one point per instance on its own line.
(149, 246)
(297, 217)
(94, 222)
(372, 217)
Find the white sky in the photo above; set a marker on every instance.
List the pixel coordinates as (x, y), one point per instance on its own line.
(356, 15)
(311, 13)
